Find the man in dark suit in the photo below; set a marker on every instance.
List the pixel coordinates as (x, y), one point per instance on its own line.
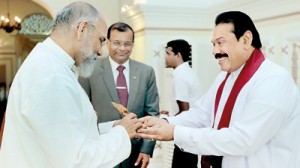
(139, 87)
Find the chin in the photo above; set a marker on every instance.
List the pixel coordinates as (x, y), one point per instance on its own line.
(86, 68)
(226, 69)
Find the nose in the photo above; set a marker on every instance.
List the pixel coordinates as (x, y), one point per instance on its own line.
(122, 47)
(215, 50)
(99, 52)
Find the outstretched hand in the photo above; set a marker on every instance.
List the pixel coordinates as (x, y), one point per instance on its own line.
(131, 124)
(156, 129)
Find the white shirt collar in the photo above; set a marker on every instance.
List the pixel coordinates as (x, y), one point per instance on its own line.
(61, 54)
(236, 73)
(181, 66)
(114, 64)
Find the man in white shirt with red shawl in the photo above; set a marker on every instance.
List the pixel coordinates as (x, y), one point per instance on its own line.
(250, 116)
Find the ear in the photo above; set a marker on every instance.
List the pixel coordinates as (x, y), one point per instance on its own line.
(180, 56)
(82, 30)
(247, 39)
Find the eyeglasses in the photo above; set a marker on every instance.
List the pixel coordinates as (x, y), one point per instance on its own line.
(119, 44)
(101, 38)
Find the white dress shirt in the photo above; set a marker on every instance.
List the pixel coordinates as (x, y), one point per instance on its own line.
(185, 87)
(264, 131)
(115, 72)
(50, 121)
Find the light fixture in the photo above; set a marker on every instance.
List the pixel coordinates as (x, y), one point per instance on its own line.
(7, 25)
(124, 8)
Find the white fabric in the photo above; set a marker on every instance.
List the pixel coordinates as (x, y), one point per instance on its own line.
(264, 130)
(225, 94)
(114, 67)
(50, 121)
(185, 87)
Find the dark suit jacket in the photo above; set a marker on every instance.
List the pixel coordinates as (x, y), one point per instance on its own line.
(143, 98)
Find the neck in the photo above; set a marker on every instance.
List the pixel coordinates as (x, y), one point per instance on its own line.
(64, 42)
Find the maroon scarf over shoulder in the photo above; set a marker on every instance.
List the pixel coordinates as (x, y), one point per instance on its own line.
(245, 75)
(251, 66)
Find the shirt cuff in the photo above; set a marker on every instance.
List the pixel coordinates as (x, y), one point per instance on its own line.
(105, 127)
(171, 120)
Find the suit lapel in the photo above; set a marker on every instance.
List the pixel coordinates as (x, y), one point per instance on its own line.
(133, 82)
(109, 80)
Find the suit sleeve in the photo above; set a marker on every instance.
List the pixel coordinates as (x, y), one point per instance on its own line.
(151, 108)
(85, 84)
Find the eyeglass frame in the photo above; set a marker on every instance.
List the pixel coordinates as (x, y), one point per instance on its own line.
(103, 39)
(118, 44)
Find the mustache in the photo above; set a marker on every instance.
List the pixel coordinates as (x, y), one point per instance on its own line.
(219, 55)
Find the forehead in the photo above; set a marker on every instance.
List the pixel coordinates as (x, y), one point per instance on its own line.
(223, 30)
(101, 26)
(169, 49)
(118, 35)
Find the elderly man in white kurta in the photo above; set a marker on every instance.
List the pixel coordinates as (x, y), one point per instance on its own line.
(50, 121)
(250, 117)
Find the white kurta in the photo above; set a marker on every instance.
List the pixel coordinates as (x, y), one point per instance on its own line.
(50, 121)
(264, 130)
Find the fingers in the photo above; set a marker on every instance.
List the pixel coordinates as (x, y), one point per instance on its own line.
(138, 124)
(164, 112)
(145, 162)
(137, 162)
(131, 115)
(148, 121)
(147, 133)
(143, 159)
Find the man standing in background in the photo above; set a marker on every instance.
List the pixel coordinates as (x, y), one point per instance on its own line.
(117, 78)
(186, 89)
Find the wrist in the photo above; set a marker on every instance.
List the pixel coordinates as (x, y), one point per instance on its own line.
(166, 120)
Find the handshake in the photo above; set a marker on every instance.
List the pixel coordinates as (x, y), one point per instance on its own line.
(148, 127)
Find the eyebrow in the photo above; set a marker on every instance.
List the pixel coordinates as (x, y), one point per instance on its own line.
(219, 38)
(169, 52)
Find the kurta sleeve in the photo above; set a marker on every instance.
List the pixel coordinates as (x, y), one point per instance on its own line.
(64, 122)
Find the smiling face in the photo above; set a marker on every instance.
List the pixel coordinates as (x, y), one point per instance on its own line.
(226, 43)
(120, 45)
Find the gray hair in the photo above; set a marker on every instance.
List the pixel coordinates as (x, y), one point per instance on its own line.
(73, 14)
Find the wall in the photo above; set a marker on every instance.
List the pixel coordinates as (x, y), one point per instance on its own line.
(281, 39)
(109, 9)
(157, 23)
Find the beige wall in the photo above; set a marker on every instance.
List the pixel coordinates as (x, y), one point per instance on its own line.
(109, 8)
(157, 23)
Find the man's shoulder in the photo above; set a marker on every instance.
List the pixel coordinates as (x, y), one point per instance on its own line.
(140, 64)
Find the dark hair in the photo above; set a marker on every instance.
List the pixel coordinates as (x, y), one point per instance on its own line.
(182, 47)
(121, 27)
(241, 22)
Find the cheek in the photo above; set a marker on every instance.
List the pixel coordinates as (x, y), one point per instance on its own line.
(167, 59)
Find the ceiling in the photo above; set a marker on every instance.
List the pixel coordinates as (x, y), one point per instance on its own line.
(20, 8)
(186, 3)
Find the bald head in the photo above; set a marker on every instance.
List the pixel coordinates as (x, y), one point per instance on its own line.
(73, 14)
(79, 30)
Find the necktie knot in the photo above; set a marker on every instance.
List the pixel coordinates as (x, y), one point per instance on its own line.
(120, 68)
